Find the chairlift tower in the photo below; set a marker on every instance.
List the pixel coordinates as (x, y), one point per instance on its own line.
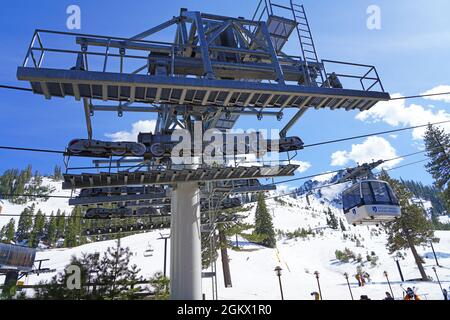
(214, 70)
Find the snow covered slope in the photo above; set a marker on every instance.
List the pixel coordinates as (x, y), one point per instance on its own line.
(253, 271)
(252, 267)
(47, 206)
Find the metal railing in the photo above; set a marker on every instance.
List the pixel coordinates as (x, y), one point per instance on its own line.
(266, 7)
(262, 9)
(368, 74)
(106, 51)
(37, 50)
(113, 52)
(368, 78)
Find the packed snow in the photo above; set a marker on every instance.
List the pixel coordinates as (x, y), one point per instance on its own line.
(444, 219)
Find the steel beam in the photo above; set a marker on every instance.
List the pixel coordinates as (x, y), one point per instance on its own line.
(156, 29)
(87, 115)
(291, 122)
(203, 45)
(225, 25)
(273, 53)
(224, 18)
(125, 109)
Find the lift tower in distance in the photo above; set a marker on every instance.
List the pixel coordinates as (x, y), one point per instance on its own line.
(213, 71)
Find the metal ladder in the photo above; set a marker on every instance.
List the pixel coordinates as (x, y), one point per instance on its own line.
(307, 45)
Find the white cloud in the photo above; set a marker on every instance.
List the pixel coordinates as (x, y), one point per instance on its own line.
(393, 136)
(438, 89)
(396, 113)
(372, 149)
(136, 128)
(303, 165)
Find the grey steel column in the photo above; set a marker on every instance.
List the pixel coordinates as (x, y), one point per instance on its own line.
(186, 264)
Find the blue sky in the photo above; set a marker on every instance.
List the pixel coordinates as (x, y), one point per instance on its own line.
(410, 52)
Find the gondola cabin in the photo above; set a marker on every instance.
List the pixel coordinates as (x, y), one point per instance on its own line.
(370, 202)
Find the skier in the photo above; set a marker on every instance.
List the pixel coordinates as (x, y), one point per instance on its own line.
(388, 296)
(316, 295)
(364, 297)
(358, 278)
(411, 295)
(365, 275)
(444, 291)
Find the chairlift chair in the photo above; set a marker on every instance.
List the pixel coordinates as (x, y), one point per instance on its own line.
(149, 251)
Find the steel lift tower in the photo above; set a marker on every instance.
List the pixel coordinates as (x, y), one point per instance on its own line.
(215, 70)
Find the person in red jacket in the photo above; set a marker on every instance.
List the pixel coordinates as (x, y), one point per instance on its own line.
(411, 295)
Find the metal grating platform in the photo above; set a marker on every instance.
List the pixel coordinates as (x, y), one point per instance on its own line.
(191, 91)
(87, 180)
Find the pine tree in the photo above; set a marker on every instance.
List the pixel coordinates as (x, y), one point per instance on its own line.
(160, 286)
(56, 288)
(263, 223)
(437, 143)
(57, 175)
(332, 222)
(8, 232)
(430, 193)
(51, 230)
(208, 255)
(37, 231)
(60, 224)
(230, 229)
(25, 224)
(118, 279)
(110, 277)
(72, 235)
(223, 246)
(28, 173)
(411, 229)
(342, 225)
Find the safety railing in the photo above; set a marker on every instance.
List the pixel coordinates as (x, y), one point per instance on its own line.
(66, 50)
(353, 75)
(93, 52)
(262, 9)
(267, 8)
(122, 55)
